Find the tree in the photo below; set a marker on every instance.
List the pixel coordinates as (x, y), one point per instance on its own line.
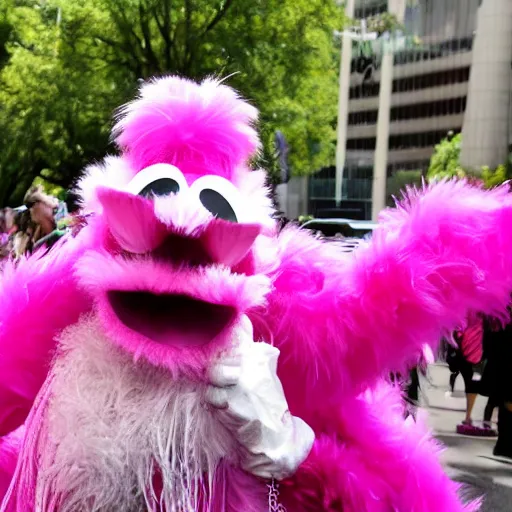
(444, 163)
(69, 64)
(55, 103)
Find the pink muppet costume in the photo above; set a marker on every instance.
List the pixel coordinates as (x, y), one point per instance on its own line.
(138, 358)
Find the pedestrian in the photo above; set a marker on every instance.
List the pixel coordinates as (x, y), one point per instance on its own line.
(42, 209)
(22, 239)
(497, 382)
(464, 359)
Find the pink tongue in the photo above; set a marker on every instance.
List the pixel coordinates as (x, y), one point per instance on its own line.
(228, 243)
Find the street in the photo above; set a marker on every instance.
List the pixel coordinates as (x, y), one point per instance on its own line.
(467, 459)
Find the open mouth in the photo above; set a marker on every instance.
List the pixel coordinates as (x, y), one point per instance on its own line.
(177, 320)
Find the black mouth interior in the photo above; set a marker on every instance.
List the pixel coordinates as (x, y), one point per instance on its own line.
(171, 319)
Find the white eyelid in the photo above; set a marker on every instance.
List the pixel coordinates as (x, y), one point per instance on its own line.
(153, 173)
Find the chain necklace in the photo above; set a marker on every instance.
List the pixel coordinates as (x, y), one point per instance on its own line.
(273, 498)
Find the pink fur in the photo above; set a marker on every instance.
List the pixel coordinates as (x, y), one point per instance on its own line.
(101, 273)
(9, 450)
(39, 298)
(234, 490)
(341, 321)
(402, 473)
(200, 128)
(132, 221)
(114, 172)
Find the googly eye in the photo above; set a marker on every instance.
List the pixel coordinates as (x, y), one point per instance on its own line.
(220, 197)
(157, 180)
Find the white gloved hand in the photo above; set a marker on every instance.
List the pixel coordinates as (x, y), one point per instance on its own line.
(250, 403)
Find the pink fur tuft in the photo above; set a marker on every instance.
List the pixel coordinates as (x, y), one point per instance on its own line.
(341, 320)
(39, 298)
(113, 172)
(402, 474)
(201, 128)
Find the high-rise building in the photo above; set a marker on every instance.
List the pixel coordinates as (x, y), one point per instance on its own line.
(451, 72)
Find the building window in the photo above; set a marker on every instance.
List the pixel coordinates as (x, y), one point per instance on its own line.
(402, 141)
(418, 140)
(361, 144)
(416, 111)
(437, 51)
(413, 83)
(438, 79)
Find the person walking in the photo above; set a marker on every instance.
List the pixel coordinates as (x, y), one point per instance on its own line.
(496, 382)
(464, 360)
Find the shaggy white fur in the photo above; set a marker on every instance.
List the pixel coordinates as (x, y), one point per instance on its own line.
(113, 424)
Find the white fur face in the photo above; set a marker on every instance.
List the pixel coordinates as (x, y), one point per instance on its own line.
(112, 424)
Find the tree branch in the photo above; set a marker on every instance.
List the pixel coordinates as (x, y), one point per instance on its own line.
(220, 14)
(125, 56)
(151, 58)
(132, 43)
(164, 27)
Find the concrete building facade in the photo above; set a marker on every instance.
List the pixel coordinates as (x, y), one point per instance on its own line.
(451, 71)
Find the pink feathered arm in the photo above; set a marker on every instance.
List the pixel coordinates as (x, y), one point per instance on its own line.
(38, 298)
(341, 321)
(376, 463)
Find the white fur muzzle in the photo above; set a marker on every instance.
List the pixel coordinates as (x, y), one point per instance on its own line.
(113, 424)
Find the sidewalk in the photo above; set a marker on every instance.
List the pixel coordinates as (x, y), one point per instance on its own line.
(467, 459)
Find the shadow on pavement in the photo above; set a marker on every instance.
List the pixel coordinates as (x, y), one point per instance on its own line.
(497, 497)
(457, 441)
(446, 408)
(480, 474)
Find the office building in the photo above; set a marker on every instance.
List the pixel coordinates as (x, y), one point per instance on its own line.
(451, 72)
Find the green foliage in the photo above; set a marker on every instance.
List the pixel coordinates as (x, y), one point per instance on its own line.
(445, 160)
(398, 182)
(493, 178)
(55, 102)
(305, 218)
(50, 188)
(66, 65)
(384, 22)
(445, 164)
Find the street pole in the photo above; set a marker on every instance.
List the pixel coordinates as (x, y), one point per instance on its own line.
(343, 99)
(396, 7)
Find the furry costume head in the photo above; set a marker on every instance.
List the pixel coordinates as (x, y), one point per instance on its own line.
(178, 219)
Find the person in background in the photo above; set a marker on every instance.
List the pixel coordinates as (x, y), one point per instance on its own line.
(9, 215)
(487, 387)
(463, 360)
(42, 209)
(497, 382)
(4, 236)
(22, 240)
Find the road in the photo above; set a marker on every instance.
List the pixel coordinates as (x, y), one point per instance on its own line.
(467, 459)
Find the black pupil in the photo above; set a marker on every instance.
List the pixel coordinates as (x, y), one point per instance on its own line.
(217, 205)
(160, 187)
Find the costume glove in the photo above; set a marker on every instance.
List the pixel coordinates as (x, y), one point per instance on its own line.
(249, 401)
